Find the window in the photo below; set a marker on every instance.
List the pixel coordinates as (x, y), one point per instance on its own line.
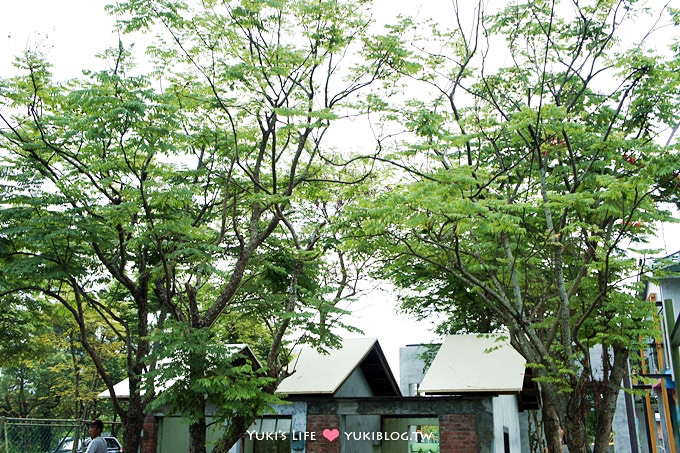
(269, 435)
(424, 438)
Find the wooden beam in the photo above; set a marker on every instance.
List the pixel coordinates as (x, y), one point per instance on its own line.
(651, 423)
(664, 397)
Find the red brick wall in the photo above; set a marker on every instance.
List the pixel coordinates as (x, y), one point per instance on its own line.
(457, 433)
(150, 437)
(317, 424)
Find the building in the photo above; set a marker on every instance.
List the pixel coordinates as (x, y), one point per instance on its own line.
(485, 366)
(647, 421)
(348, 401)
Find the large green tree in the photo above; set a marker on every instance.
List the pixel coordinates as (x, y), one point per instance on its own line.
(84, 192)
(148, 199)
(537, 160)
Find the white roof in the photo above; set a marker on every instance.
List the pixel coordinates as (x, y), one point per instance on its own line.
(122, 389)
(475, 363)
(318, 373)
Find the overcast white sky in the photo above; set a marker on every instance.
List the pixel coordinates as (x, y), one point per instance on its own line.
(72, 32)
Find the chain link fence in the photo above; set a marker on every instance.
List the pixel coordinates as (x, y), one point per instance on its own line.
(30, 435)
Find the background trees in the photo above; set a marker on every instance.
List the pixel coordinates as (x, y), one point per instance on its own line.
(528, 183)
(45, 372)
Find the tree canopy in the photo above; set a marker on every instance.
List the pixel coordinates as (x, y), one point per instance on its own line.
(170, 197)
(526, 185)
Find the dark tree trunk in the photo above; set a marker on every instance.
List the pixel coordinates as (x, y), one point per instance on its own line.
(240, 422)
(574, 420)
(134, 423)
(609, 395)
(197, 436)
(237, 426)
(197, 428)
(551, 427)
(575, 433)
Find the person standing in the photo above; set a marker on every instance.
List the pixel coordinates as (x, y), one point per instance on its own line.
(98, 444)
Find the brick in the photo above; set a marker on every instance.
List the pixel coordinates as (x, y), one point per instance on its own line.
(150, 438)
(317, 424)
(457, 433)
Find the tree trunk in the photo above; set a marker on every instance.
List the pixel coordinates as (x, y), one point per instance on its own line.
(134, 423)
(610, 393)
(575, 433)
(551, 427)
(197, 428)
(197, 435)
(240, 422)
(237, 426)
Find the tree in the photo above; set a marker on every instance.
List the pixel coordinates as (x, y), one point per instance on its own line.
(44, 371)
(528, 183)
(148, 204)
(25, 380)
(77, 382)
(78, 219)
(427, 292)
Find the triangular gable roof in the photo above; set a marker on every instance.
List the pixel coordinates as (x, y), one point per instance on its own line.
(122, 389)
(316, 373)
(669, 263)
(475, 363)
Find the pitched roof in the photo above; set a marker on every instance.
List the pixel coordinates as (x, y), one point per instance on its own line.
(669, 263)
(316, 373)
(122, 389)
(475, 363)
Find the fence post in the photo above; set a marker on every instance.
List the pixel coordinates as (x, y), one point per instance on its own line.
(3, 428)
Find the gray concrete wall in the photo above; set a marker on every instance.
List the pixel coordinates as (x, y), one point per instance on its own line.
(356, 385)
(358, 433)
(670, 289)
(524, 430)
(620, 425)
(410, 369)
(353, 426)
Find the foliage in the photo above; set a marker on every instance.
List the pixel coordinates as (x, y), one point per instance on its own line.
(84, 202)
(45, 372)
(22, 323)
(230, 380)
(527, 186)
(175, 195)
(428, 293)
